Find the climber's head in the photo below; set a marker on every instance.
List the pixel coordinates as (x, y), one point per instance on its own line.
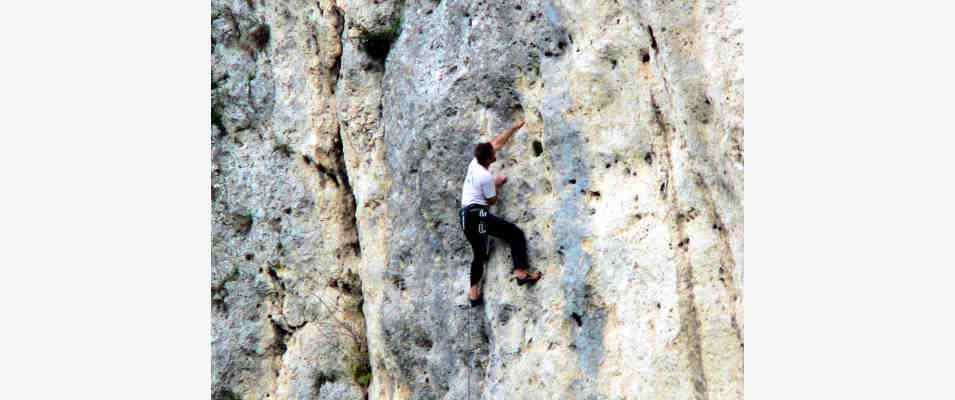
(484, 153)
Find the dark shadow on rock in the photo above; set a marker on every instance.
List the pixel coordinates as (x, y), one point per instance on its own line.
(571, 226)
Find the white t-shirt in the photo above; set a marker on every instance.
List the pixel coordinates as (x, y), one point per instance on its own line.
(478, 185)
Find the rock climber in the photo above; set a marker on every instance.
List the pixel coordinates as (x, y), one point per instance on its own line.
(479, 192)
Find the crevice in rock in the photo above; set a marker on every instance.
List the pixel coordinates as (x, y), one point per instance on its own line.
(339, 28)
(354, 328)
(653, 40)
(327, 173)
(339, 154)
(283, 331)
(658, 118)
(727, 261)
(217, 116)
(220, 292)
(322, 378)
(280, 345)
(273, 275)
(577, 319)
(690, 326)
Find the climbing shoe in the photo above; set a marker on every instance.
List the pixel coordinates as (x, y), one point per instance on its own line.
(530, 280)
(478, 302)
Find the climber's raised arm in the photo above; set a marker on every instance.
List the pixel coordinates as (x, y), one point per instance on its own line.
(502, 138)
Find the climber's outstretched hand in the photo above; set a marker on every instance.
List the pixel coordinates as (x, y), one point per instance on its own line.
(501, 139)
(500, 180)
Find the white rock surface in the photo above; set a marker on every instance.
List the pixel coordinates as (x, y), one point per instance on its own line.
(338, 263)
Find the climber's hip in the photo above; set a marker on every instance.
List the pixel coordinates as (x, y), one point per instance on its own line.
(473, 219)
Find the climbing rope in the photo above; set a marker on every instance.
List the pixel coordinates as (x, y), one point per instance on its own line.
(467, 325)
(468, 329)
(467, 350)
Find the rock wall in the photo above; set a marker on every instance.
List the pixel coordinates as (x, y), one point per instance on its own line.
(341, 131)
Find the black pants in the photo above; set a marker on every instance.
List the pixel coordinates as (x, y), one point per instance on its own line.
(477, 223)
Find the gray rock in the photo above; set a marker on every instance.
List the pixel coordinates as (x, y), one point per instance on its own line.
(339, 171)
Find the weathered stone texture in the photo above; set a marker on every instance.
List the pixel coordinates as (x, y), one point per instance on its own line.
(339, 267)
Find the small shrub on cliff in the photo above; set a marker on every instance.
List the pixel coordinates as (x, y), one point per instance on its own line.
(359, 368)
(378, 43)
(217, 119)
(364, 380)
(256, 39)
(355, 362)
(260, 35)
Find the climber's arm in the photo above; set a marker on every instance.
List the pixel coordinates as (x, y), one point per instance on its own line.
(498, 182)
(502, 138)
(489, 187)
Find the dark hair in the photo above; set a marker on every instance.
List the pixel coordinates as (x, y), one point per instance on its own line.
(483, 153)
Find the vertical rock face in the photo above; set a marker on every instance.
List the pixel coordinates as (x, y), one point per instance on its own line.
(340, 137)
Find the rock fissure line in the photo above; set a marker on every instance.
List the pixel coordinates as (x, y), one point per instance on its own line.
(362, 340)
(280, 326)
(689, 317)
(349, 192)
(337, 65)
(727, 261)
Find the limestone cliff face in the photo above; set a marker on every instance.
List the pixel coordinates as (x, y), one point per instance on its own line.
(340, 137)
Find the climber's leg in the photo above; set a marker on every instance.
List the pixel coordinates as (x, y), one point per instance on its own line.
(479, 247)
(514, 236)
(475, 231)
(511, 234)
